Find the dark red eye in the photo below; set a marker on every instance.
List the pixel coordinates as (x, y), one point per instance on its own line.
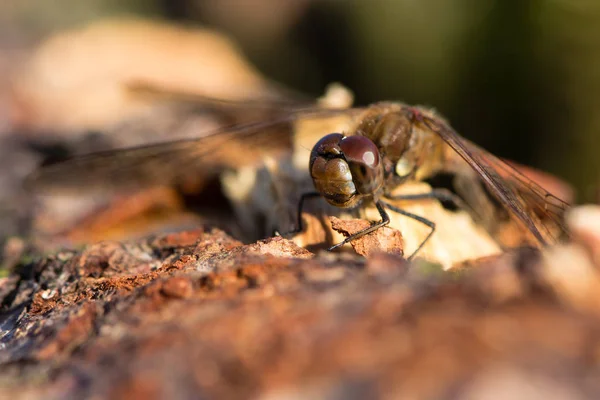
(328, 145)
(362, 156)
(360, 150)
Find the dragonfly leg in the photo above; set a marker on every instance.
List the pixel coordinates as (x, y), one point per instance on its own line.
(422, 220)
(299, 224)
(440, 194)
(385, 219)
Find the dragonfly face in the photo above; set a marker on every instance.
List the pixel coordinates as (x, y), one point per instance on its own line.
(344, 169)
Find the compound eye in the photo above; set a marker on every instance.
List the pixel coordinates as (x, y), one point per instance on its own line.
(359, 149)
(362, 156)
(328, 145)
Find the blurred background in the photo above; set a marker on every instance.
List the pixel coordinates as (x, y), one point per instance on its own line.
(520, 78)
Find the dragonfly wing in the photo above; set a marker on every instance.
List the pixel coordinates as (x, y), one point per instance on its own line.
(288, 100)
(548, 209)
(167, 163)
(535, 208)
(270, 133)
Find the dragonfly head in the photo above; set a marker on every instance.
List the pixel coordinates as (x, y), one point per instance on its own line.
(345, 168)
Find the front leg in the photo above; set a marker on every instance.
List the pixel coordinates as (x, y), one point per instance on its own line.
(385, 219)
(299, 221)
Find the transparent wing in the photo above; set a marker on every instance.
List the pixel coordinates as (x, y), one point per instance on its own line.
(166, 163)
(177, 161)
(545, 209)
(290, 101)
(535, 208)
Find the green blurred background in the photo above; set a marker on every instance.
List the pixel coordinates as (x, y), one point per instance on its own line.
(521, 78)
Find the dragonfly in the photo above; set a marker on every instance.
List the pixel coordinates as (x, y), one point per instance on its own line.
(388, 145)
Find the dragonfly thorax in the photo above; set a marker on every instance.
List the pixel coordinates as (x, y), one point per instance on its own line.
(409, 151)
